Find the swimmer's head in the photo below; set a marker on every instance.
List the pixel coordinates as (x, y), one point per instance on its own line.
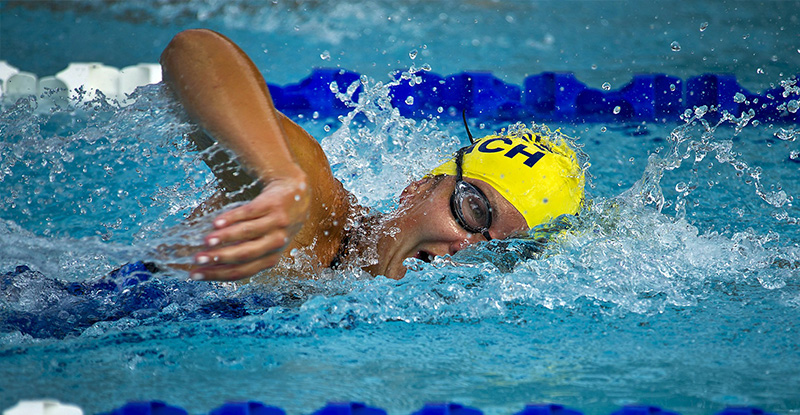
(540, 176)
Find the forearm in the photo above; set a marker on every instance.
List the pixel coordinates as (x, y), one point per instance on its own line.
(225, 94)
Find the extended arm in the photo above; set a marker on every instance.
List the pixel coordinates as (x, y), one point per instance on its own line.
(226, 96)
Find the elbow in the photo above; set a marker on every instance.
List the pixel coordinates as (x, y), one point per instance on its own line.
(186, 47)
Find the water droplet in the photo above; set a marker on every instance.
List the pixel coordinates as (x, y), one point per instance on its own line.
(760, 71)
(681, 187)
(700, 111)
(327, 128)
(510, 18)
(617, 109)
(440, 110)
(603, 129)
(746, 36)
(793, 106)
(426, 67)
(606, 86)
(703, 26)
(594, 67)
(325, 55)
(413, 54)
(675, 46)
(739, 98)
(671, 87)
(296, 198)
(409, 100)
(334, 87)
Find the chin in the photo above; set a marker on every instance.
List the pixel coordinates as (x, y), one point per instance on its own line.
(395, 272)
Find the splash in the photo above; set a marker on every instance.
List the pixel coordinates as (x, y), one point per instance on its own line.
(623, 255)
(91, 174)
(682, 145)
(397, 149)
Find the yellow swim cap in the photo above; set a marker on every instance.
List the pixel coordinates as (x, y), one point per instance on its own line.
(541, 178)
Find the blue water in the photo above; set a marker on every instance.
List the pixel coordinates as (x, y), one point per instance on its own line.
(678, 288)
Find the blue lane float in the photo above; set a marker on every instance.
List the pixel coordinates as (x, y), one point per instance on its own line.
(358, 408)
(548, 96)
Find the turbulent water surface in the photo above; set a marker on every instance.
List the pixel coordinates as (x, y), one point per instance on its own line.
(676, 286)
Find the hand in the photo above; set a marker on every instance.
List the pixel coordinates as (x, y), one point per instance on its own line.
(252, 237)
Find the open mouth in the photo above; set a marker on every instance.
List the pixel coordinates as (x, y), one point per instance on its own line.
(424, 256)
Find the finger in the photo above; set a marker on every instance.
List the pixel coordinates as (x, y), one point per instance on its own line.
(274, 198)
(248, 230)
(235, 272)
(245, 251)
(242, 213)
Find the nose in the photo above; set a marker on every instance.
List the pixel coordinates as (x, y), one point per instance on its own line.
(460, 244)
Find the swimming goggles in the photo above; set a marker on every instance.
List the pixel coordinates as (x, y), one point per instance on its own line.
(469, 204)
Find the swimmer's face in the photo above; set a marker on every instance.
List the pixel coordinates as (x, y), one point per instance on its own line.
(425, 226)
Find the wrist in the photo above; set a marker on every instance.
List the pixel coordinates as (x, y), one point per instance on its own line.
(295, 177)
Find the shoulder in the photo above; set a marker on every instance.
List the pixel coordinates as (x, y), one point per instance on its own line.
(332, 205)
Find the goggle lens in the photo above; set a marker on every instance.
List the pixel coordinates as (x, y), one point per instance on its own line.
(473, 208)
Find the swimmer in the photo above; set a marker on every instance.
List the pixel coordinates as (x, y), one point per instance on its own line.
(499, 186)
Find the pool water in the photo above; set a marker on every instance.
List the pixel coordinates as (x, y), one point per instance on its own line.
(677, 287)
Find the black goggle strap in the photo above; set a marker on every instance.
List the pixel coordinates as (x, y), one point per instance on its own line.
(459, 162)
(469, 134)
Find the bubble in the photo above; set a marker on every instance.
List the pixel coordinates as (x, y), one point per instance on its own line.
(792, 106)
(606, 86)
(703, 26)
(675, 46)
(409, 100)
(617, 109)
(325, 55)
